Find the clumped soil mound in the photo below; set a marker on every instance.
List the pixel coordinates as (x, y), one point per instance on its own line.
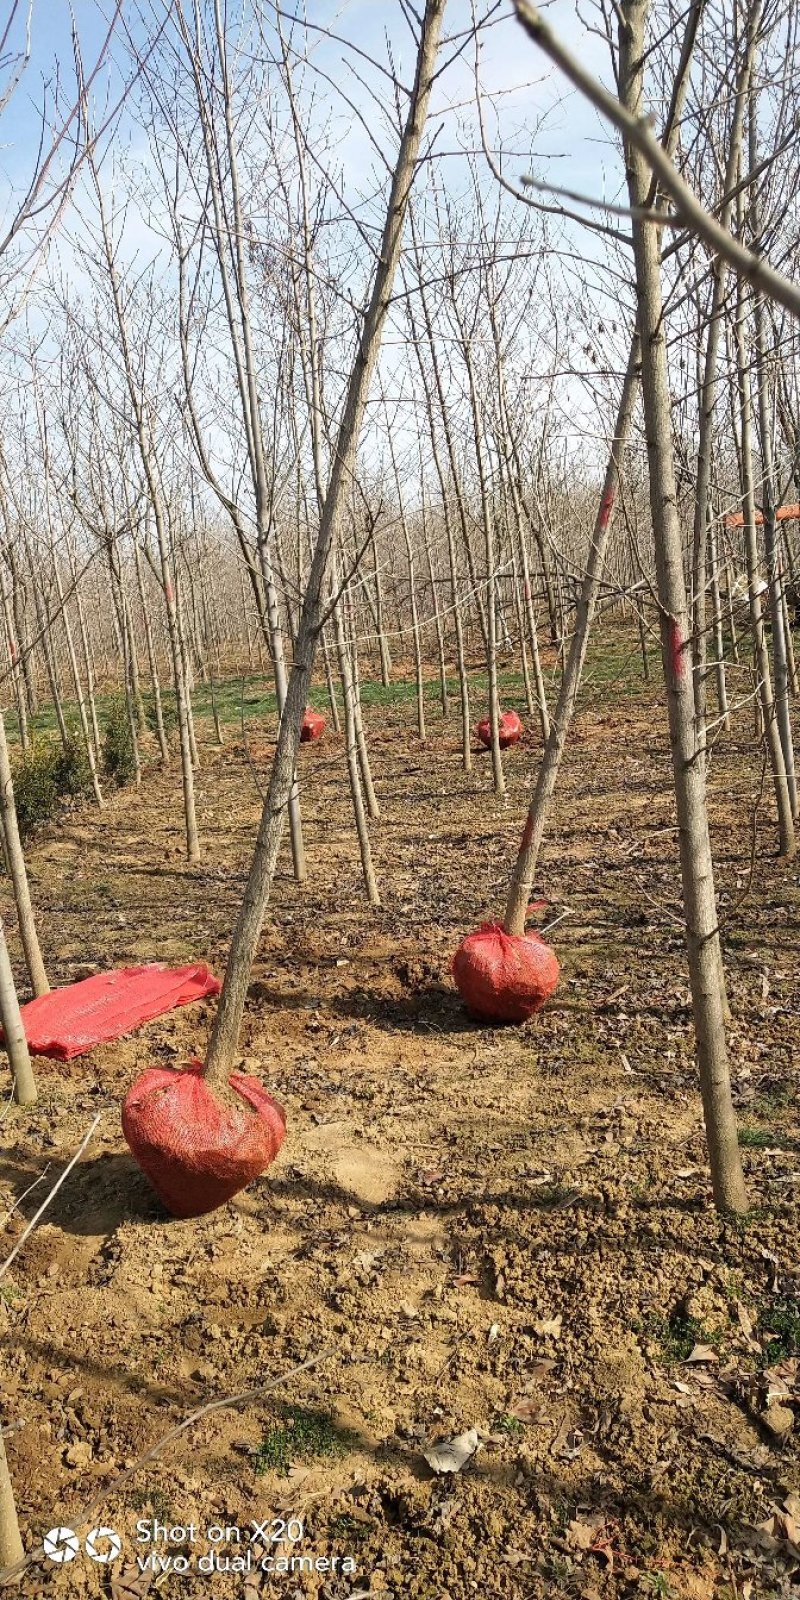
(503, 1234)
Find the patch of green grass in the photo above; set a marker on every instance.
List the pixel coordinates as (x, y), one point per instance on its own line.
(758, 1138)
(350, 1528)
(304, 1434)
(10, 1294)
(742, 1221)
(657, 1583)
(154, 1500)
(509, 1425)
(677, 1334)
(771, 1100)
(782, 1319)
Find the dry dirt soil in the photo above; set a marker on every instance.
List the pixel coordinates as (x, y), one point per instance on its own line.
(501, 1230)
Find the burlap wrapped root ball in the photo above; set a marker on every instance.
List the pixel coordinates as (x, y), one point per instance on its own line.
(504, 977)
(197, 1148)
(509, 730)
(312, 726)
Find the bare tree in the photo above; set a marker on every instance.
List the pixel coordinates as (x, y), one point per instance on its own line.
(228, 1019)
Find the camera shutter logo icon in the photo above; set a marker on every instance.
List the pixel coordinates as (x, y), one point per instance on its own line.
(105, 1537)
(61, 1544)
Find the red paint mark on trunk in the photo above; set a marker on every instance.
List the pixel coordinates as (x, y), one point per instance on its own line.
(527, 835)
(606, 508)
(169, 591)
(527, 590)
(676, 649)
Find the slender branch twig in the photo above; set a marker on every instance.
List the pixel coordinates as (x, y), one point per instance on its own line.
(638, 130)
(4, 1266)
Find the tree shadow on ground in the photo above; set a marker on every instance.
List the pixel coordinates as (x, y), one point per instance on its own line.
(98, 1196)
(430, 1008)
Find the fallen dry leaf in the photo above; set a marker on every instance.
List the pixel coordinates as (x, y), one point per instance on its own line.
(526, 1409)
(583, 1532)
(703, 1353)
(568, 1443)
(450, 1455)
(550, 1328)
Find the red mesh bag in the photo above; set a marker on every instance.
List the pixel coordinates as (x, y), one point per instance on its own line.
(504, 977)
(196, 1149)
(509, 730)
(312, 726)
(67, 1022)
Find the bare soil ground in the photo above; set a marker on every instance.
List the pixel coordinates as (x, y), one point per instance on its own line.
(502, 1230)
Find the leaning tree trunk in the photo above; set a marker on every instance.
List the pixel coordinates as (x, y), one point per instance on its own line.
(561, 719)
(18, 873)
(697, 872)
(227, 1024)
(11, 1550)
(533, 833)
(780, 655)
(766, 703)
(708, 389)
(14, 1034)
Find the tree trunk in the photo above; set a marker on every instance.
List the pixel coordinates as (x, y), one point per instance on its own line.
(227, 1024)
(560, 722)
(708, 391)
(769, 722)
(18, 873)
(13, 1031)
(702, 927)
(11, 1550)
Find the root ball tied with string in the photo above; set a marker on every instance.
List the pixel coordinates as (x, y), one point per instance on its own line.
(504, 977)
(509, 730)
(198, 1146)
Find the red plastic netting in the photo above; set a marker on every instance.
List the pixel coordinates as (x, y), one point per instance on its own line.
(68, 1022)
(196, 1149)
(509, 730)
(312, 726)
(504, 977)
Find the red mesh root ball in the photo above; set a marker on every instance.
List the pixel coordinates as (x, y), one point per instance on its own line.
(197, 1149)
(504, 977)
(509, 730)
(312, 726)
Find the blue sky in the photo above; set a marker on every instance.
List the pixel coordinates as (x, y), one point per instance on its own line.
(571, 146)
(578, 150)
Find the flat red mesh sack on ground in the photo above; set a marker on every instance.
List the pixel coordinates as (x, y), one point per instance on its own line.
(312, 726)
(504, 977)
(509, 730)
(197, 1149)
(67, 1022)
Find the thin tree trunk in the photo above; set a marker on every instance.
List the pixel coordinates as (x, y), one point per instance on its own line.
(15, 1041)
(11, 1549)
(18, 873)
(152, 663)
(13, 655)
(76, 679)
(386, 660)
(708, 392)
(247, 932)
(522, 877)
(702, 927)
(780, 658)
(769, 722)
